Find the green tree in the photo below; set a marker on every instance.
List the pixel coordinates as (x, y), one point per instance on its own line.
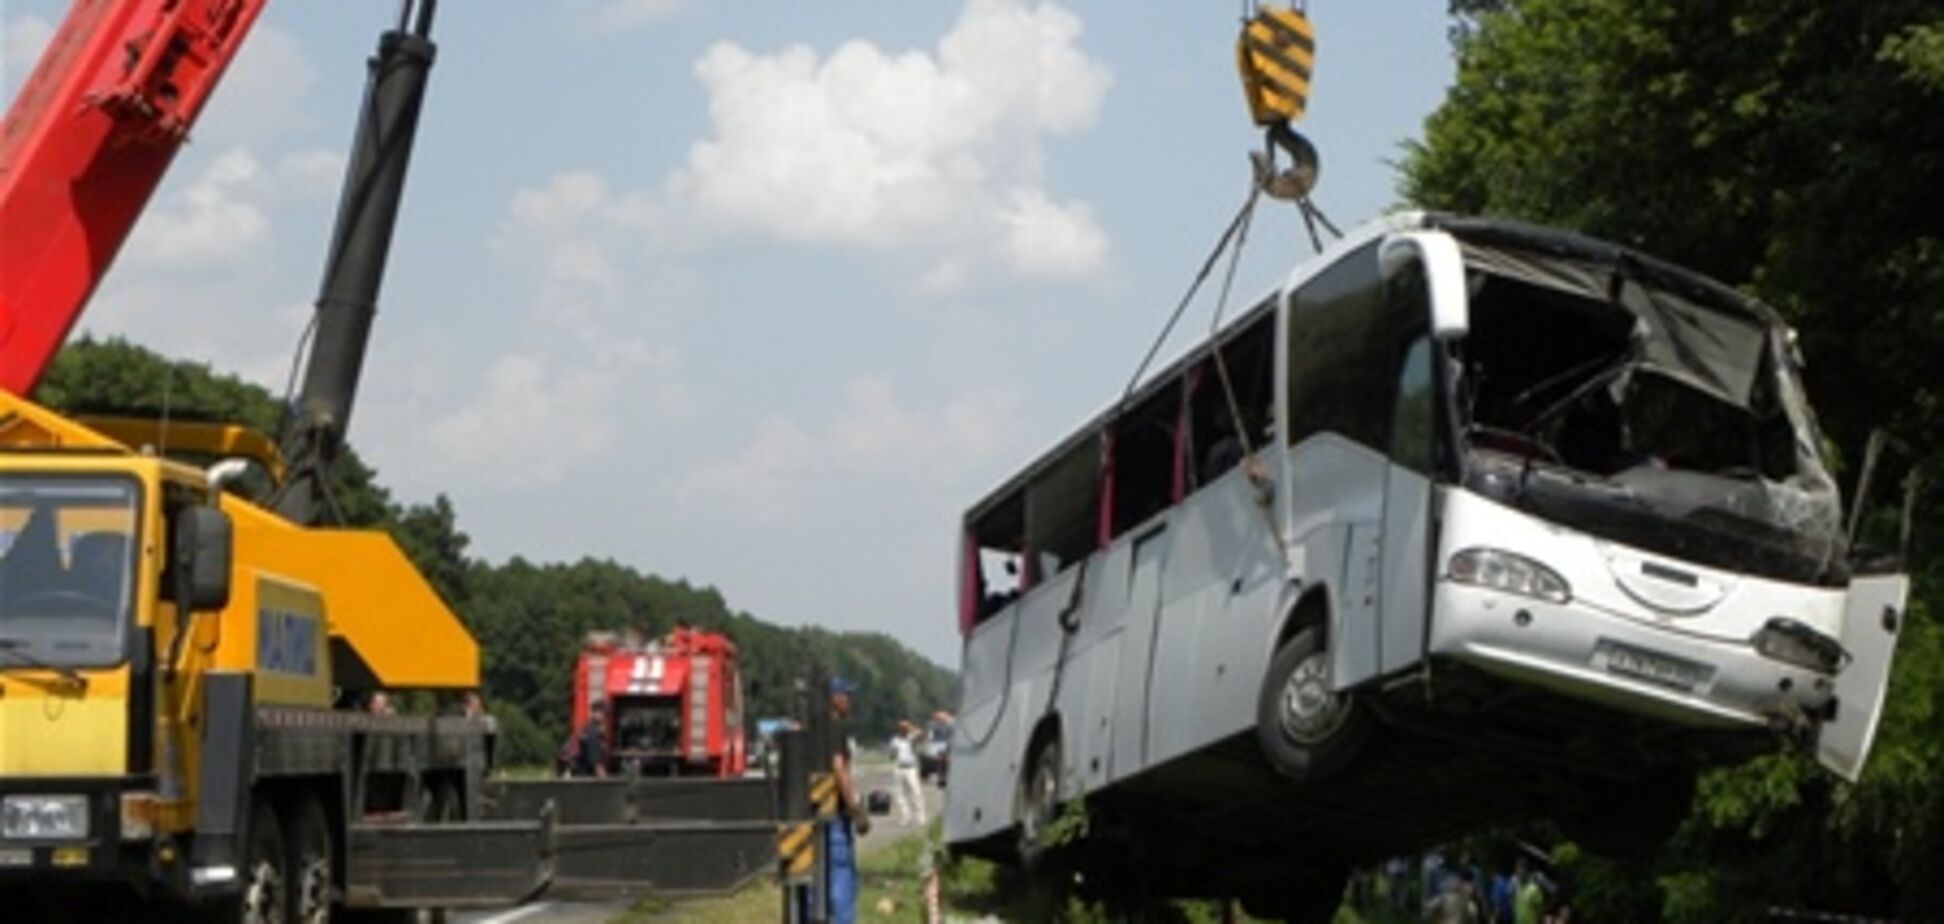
(1794, 148)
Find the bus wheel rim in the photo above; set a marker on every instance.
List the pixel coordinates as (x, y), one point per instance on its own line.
(1309, 711)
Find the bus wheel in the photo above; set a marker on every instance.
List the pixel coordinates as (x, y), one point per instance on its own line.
(1307, 731)
(1038, 806)
(310, 864)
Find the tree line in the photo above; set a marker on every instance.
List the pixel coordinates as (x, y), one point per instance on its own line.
(529, 617)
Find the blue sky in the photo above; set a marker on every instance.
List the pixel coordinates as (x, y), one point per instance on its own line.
(758, 296)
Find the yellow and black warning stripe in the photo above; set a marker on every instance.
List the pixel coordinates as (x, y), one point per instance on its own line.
(1276, 54)
(823, 794)
(796, 848)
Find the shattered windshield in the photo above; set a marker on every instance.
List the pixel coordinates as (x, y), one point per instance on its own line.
(1597, 398)
(67, 555)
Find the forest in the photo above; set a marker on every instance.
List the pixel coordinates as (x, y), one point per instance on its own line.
(529, 617)
(1794, 149)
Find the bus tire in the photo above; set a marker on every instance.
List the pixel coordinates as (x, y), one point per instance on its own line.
(309, 845)
(1037, 806)
(1306, 731)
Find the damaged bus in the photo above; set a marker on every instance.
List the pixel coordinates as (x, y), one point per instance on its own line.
(1468, 522)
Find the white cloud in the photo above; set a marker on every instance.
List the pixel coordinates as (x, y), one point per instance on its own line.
(594, 353)
(940, 151)
(20, 49)
(317, 171)
(1046, 238)
(217, 221)
(611, 16)
(526, 393)
(875, 442)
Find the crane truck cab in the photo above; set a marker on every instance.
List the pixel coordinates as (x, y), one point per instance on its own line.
(172, 660)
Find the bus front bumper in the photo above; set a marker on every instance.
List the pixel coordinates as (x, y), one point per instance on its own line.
(1590, 654)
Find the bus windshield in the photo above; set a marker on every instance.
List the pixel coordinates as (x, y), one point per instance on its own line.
(1606, 402)
(67, 556)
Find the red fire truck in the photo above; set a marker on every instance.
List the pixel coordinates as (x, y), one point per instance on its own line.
(673, 706)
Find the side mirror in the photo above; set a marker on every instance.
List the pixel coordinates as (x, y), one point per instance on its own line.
(204, 542)
(1444, 276)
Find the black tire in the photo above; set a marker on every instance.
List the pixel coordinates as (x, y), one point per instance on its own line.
(1037, 806)
(309, 840)
(1306, 732)
(265, 872)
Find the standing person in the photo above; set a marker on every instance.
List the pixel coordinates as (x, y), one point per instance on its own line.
(1529, 900)
(840, 840)
(590, 750)
(904, 760)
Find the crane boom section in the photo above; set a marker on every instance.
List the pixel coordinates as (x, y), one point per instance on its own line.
(86, 142)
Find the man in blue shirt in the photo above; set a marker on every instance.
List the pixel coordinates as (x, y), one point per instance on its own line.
(840, 839)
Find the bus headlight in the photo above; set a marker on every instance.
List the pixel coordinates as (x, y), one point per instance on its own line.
(44, 818)
(1509, 572)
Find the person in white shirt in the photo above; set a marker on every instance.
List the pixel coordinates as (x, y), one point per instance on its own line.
(904, 760)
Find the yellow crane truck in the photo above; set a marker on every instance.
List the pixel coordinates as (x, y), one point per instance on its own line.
(185, 673)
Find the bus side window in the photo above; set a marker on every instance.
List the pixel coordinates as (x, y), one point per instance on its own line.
(1341, 364)
(1063, 509)
(997, 560)
(1216, 446)
(1143, 464)
(1412, 434)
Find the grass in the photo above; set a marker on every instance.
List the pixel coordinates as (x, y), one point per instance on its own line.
(891, 889)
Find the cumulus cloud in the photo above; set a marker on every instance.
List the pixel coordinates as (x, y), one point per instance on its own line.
(218, 220)
(942, 151)
(875, 436)
(594, 349)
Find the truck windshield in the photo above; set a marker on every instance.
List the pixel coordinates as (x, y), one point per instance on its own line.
(67, 556)
(1644, 416)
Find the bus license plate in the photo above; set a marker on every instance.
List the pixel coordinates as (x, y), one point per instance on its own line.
(1654, 667)
(16, 858)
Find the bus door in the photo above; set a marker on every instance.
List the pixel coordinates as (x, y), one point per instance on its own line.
(1871, 618)
(1404, 575)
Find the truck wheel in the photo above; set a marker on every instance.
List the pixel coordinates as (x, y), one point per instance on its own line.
(1306, 731)
(310, 849)
(265, 870)
(1037, 806)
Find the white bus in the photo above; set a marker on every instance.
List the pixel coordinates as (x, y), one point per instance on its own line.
(1501, 522)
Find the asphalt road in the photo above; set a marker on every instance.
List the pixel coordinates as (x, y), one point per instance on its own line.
(884, 830)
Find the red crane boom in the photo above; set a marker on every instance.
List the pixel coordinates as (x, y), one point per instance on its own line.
(84, 146)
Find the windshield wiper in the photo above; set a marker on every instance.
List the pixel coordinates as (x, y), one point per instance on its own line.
(71, 677)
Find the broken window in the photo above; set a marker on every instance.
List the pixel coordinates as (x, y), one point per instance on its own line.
(1677, 414)
(1144, 450)
(994, 569)
(1215, 445)
(1063, 510)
